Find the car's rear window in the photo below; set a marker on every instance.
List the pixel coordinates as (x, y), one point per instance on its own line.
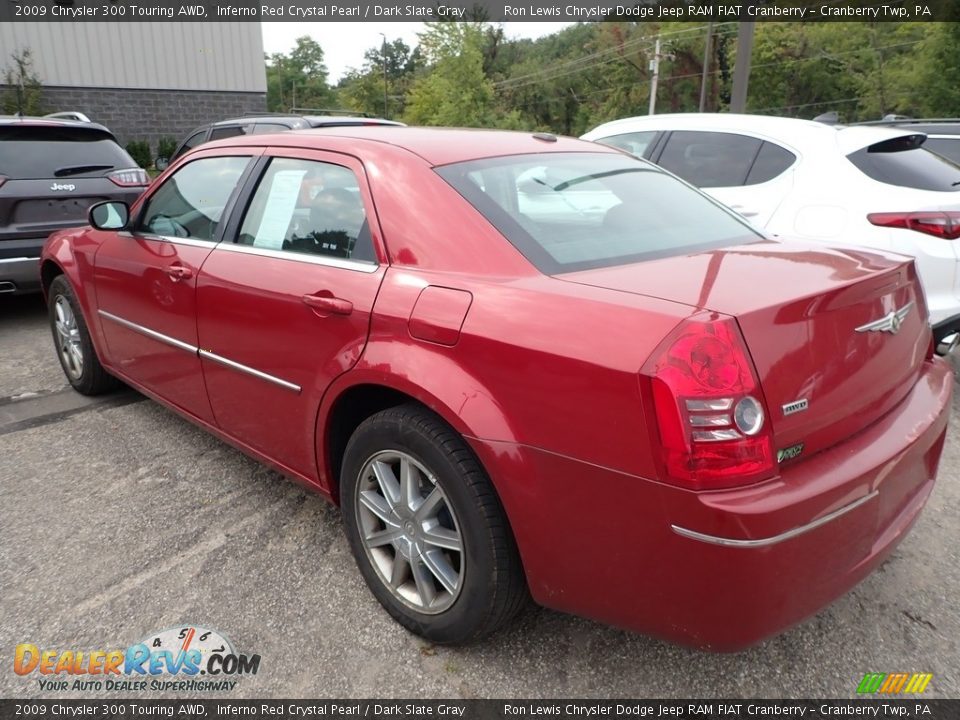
(948, 147)
(575, 211)
(32, 152)
(905, 162)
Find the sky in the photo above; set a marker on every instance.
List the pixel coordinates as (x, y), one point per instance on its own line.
(344, 43)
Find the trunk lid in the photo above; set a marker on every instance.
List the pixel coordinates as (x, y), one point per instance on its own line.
(811, 317)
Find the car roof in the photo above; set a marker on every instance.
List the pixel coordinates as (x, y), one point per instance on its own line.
(312, 120)
(933, 127)
(438, 146)
(801, 134)
(279, 119)
(77, 125)
(13, 120)
(337, 120)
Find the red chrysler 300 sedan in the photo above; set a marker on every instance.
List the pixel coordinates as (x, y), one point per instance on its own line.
(523, 365)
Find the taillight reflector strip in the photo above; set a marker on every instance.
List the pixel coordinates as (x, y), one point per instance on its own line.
(130, 177)
(941, 224)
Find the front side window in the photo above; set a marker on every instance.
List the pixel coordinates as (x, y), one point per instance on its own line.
(575, 211)
(710, 159)
(190, 202)
(308, 207)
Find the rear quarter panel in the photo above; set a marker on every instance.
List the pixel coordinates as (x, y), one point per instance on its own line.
(539, 362)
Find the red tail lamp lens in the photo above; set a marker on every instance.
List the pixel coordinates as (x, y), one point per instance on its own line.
(713, 426)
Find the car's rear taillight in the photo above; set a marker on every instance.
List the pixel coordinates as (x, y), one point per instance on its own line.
(131, 177)
(945, 224)
(714, 429)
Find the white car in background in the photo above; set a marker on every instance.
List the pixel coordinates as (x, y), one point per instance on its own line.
(841, 185)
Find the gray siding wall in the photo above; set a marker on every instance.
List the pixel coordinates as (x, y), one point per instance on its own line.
(151, 114)
(220, 56)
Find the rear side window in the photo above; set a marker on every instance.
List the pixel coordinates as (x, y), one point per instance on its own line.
(635, 143)
(309, 208)
(54, 152)
(905, 162)
(948, 147)
(772, 160)
(263, 128)
(575, 211)
(710, 159)
(227, 131)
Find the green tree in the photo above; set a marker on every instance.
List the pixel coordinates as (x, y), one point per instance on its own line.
(935, 91)
(298, 79)
(23, 94)
(454, 90)
(363, 90)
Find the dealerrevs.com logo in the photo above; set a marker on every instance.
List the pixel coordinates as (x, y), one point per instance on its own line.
(187, 658)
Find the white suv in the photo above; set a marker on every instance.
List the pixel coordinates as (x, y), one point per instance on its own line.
(867, 186)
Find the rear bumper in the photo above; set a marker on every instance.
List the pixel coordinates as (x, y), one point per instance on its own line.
(722, 570)
(20, 265)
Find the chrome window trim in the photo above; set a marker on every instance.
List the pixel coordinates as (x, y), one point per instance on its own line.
(148, 332)
(179, 344)
(192, 242)
(249, 370)
(766, 542)
(342, 263)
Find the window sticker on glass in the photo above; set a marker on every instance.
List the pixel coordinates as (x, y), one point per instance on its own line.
(280, 206)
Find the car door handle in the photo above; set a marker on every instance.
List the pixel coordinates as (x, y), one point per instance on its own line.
(744, 211)
(178, 272)
(326, 303)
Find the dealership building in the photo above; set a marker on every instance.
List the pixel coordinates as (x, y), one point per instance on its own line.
(143, 80)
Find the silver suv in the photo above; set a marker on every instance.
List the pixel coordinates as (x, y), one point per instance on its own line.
(51, 171)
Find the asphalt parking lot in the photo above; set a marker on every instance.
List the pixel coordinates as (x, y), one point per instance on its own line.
(118, 518)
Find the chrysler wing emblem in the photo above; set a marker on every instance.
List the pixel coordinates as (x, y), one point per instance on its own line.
(890, 322)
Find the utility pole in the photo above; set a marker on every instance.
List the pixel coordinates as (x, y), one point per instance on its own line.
(706, 67)
(741, 70)
(655, 69)
(383, 61)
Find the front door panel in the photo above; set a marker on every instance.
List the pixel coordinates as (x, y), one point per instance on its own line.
(146, 281)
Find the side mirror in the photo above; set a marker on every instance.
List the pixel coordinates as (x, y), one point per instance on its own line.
(161, 163)
(111, 215)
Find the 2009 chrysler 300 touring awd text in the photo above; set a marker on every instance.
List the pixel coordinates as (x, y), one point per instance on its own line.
(523, 365)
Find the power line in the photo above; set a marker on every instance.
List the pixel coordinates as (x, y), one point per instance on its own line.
(546, 74)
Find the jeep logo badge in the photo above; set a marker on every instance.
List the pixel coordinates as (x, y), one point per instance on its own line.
(59, 186)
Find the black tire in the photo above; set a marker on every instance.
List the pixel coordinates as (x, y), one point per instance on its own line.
(492, 588)
(92, 379)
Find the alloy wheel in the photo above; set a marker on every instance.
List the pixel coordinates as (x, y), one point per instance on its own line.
(68, 338)
(410, 532)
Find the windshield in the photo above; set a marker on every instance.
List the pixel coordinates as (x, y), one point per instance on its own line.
(575, 211)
